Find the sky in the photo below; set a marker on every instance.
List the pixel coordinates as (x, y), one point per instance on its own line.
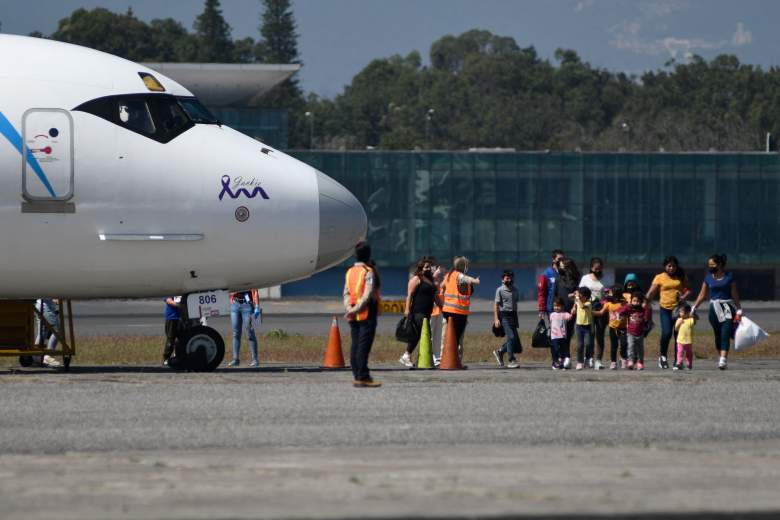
(337, 38)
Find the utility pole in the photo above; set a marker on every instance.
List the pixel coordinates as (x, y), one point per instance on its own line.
(310, 117)
(428, 118)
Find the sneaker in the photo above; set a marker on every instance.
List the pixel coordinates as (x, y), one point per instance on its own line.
(567, 363)
(234, 363)
(406, 360)
(366, 383)
(629, 365)
(165, 363)
(663, 363)
(590, 363)
(598, 365)
(499, 358)
(722, 363)
(579, 366)
(50, 362)
(436, 361)
(640, 365)
(677, 366)
(623, 363)
(556, 366)
(254, 364)
(613, 365)
(512, 364)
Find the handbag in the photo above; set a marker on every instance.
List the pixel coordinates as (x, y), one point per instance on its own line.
(406, 330)
(498, 331)
(541, 336)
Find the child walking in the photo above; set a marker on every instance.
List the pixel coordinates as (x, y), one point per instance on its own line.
(638, 315)
(612, 305)
(558, 343)
(583, 325)
(684, 329)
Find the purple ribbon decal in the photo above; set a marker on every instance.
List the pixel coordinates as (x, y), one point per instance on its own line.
(241, 191)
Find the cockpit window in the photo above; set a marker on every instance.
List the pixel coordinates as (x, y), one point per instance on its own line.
(197, 112)
(161, 117)
(134, 115)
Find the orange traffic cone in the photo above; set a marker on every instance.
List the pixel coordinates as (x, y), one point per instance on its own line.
(334, 357)
(450, 359)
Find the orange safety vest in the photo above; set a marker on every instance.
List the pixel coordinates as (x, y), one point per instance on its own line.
(436, 308)
(356, 283)
(454, 302)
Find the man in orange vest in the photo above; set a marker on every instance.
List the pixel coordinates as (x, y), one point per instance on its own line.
(458, 288)
(361, 301)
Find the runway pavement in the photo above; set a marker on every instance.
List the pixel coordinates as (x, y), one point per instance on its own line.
(299, 442)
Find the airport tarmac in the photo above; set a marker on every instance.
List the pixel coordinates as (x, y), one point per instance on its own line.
(299, 442)
(309, 317)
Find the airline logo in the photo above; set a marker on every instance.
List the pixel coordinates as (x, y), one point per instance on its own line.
(240, 187)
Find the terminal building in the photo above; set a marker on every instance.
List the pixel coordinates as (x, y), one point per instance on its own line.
(511, 209)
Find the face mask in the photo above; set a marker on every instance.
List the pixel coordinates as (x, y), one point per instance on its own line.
(637, 306)
(713, 270)
(597, 274)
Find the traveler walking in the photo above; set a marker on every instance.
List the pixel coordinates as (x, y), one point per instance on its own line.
(684, 329)
(565, 288)
(361, 302)
(546, 285)
(593, 281)
(244, 308)
(505, 315)
(725, 310)
(458, 288)
(421, 295)
(672, 288)
(583, 324)
(638, 314)
(559, 331)
(49, 309)
(611, 307)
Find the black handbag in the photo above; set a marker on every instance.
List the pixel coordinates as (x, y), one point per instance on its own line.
(406, 330)
(541, 336)
(498, 331)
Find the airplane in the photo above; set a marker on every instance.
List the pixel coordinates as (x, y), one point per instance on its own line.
(116, 182)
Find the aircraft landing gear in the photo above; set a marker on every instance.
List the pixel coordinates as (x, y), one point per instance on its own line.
(200, 349)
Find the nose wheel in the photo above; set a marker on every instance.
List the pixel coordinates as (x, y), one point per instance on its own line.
(199, 349)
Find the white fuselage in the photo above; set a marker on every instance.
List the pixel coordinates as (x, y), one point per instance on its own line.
(145, 217)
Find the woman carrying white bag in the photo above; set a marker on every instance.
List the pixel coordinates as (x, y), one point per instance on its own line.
(724, 309)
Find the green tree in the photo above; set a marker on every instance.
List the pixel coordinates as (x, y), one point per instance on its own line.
(213, 35)
(279, 44)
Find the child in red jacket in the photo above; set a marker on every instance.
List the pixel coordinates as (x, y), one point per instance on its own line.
(638, 314)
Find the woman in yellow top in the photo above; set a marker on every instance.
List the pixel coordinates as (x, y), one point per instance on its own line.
(672, 288)
(684, 329)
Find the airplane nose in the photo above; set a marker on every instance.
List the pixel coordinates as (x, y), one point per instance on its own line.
(343, 222)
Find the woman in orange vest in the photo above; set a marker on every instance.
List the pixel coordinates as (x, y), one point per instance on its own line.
(458, 288)
(421, 296)
(361, 302)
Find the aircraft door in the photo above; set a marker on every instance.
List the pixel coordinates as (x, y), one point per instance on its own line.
(47, 155)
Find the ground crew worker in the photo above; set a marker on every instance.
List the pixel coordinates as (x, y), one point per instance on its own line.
(172, 319)
(361, 302)
(244, 308)
(458, 288)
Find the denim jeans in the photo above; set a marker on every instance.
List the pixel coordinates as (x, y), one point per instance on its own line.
(723, 331)
(512, 343)
(667, 330)
(241, 318)
(362, 333)
(584, 342)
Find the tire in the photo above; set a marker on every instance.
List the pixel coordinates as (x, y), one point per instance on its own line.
(200, 349)
(66, 362)
(26, 361)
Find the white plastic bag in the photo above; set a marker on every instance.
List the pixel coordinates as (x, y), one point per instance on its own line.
(748, 334)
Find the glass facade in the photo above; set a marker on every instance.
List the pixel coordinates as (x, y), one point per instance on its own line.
(513, 208)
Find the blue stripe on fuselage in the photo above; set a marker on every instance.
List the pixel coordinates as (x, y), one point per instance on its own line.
(10, 133)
